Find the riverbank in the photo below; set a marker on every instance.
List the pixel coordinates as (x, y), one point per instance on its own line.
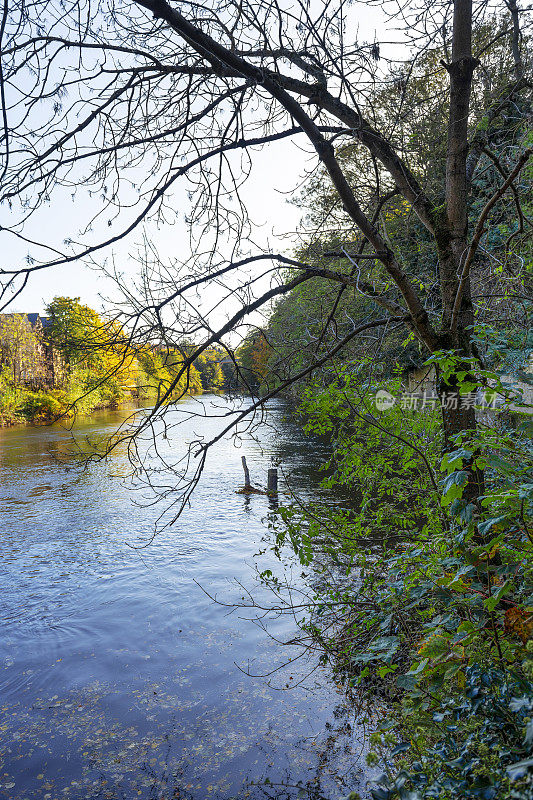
(22, 406)
(405, 601)
(430, 601)
(74, 361)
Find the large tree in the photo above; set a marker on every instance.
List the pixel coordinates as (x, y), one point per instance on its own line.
(124, 99)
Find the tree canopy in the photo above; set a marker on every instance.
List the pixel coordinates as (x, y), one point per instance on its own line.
(117, 102)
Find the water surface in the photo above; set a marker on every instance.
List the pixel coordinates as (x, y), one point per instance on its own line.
(119, 676)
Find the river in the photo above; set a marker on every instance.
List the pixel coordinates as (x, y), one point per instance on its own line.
(119, 676)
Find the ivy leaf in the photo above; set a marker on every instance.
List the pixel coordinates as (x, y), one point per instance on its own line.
(528, 738)
(380, 794)
(519, 703)
(419, 668)
(400, 748)
(520, 769)
(385, 670)
(407, 682)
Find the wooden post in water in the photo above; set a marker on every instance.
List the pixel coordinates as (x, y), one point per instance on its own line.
(272, 483)
(247, 484)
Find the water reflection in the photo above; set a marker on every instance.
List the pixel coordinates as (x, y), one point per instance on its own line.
(119, 677)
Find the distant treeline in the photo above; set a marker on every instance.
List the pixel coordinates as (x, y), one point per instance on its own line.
(74, 360)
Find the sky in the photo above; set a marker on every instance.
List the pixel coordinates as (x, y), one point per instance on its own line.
(277, 173)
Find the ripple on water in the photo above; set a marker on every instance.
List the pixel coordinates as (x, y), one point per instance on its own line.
(119, 677)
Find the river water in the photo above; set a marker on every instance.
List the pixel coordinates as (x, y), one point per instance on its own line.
(119, 676)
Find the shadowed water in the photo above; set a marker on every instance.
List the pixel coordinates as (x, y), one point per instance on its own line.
(119, 676)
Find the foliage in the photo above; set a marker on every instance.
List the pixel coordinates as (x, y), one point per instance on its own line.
(159, 371)
(479, 744)
(385, 463)
(254, 357)
(431, 598)
(315, 315)
(102, 368)
(208, 365)
(39, 407)
(18, 345)
(76, 331)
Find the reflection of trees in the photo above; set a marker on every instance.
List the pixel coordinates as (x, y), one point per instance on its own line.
(327, 776)
(52, 446)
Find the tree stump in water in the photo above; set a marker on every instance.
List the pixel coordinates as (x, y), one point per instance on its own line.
(248, 488)
(272, 482)
(247, 484)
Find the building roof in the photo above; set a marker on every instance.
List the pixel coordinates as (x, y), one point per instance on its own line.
(35, 318)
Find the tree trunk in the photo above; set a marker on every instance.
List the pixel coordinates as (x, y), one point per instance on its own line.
(458, 415)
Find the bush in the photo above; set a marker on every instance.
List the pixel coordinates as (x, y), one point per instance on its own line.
(423, 596)
(479, 744)
(40, 407)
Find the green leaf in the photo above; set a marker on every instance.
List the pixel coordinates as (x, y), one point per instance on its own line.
(385, 670)
(484, 527)
(419, 668)
(491, 602)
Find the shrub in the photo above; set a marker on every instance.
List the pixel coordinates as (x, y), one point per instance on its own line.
(40, 407)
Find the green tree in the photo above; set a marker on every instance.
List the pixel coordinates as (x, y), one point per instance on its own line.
(208, 365)
(76, 330)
